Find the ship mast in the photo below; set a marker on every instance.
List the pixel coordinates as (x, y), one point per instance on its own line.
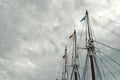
(64, 73)
(90, 47)
(75, 72)
(75, 63)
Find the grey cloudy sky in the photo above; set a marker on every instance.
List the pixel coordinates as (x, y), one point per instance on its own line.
(33, 34)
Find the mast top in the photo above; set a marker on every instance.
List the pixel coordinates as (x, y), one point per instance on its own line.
(74, 29)
(65, 48)
(86, 12)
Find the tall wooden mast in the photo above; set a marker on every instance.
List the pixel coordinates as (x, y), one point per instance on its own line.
(65, 73)
(75, 72)
(75, 63)
(90, 47)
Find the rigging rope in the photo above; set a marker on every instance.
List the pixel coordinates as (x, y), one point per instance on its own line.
(59, 69)
(108, 29)
(110, 58)
(102, 67)
(108, 46)
(81, 50)
(109, 70)
(72, 74)
(96, 63)
(111, 65)
(85, 67)
(106, 18)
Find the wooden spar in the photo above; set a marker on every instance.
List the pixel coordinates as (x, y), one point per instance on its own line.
(75, 46)
(65, 59)
(75, 65)
(90, 48)
(64, 73)
(89, 34)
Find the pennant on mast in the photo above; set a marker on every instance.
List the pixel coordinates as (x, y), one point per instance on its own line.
(71, 36)
(83, 19)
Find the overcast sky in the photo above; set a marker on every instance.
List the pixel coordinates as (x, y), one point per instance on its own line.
(33, 34)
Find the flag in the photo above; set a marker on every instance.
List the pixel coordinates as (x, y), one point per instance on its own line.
(71, 36)
(64, 55)
(83, 19)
